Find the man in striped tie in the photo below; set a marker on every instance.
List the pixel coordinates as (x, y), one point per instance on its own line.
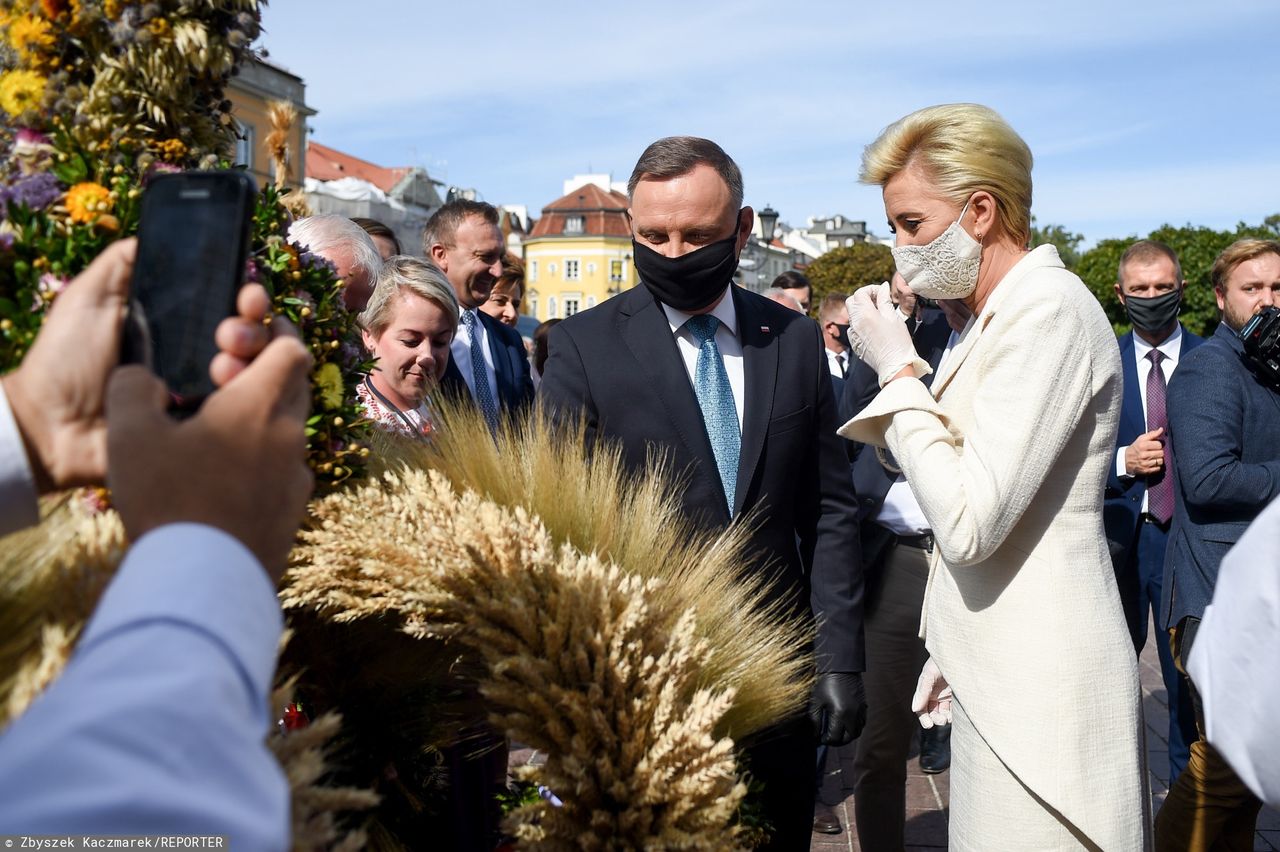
(487, 361)
(735, 390)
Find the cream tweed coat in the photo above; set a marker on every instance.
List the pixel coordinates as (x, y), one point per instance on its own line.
(1007, 455)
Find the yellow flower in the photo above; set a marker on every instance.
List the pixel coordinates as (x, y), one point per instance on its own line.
(86, 201)
(20, 91)
(158, 26)
(328, 384)
(171, 150)
(112, 8)
(29, 35)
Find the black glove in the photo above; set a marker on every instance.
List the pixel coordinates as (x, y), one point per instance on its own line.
(838, 707)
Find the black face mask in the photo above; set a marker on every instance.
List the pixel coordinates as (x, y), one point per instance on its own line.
(691, 281)
(842, 333)
(1155, 314)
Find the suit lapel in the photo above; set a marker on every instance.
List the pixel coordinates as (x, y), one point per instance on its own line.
(1132, 420)
(644, 329)
(760, 377)
(498, 352)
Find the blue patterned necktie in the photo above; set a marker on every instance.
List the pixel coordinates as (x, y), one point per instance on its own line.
(715, 397)
(483, 395)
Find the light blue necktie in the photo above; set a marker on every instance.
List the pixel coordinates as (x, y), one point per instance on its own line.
(715, 397)
(484, 396)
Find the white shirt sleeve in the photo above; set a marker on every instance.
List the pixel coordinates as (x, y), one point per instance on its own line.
(157, 724)
(1122, 469)
(18, 506)
(1233, 657)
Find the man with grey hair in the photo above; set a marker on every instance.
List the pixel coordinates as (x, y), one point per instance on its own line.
(784, 298)
(733, 389)
(346, 245)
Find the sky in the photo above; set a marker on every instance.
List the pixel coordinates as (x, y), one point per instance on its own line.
(1138, 113)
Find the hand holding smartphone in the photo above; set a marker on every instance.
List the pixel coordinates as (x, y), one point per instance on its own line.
(193, 241)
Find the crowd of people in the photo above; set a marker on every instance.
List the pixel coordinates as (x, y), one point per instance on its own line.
(976, 494)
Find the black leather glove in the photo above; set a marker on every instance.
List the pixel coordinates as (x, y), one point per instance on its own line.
(838, 707)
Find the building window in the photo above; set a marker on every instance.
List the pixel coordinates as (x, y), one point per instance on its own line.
(591, 269)
(531, 304)
(551, 269)
(573, 224)
(551, 308)
(244, 146)
(570, 306)
(615, 270)
(591, 301)
(571, 270)
(533, 270)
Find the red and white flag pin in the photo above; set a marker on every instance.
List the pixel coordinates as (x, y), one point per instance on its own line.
(764, 329)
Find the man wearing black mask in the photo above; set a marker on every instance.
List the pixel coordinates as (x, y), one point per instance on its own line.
(1139, 491)
(735, 390)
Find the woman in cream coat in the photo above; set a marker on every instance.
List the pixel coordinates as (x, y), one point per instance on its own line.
(1007, 454)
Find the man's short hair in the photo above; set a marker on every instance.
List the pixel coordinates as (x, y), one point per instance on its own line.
(832, 305)
(1241, 251)
(782, 297)
(673, 156)
(444, 223)
(1148, 251)
(791, 280)
(326, 232)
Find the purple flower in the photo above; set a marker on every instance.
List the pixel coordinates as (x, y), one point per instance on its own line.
(351, 355)
(26, 136)
(311, 260)
(31, 150)
(158, 168)
(251, 273)
(35, 191)
(6, 240)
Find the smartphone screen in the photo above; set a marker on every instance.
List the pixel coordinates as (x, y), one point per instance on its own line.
(193, 240)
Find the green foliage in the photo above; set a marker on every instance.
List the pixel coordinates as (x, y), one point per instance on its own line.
(845, 269)
(1068, 244)
(1196, 248)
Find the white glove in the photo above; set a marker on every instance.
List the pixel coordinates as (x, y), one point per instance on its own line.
(932, 701)
(879, 336)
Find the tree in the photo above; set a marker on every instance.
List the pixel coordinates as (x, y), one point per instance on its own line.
(843, 270)
(1196, 247)
(1068, 244)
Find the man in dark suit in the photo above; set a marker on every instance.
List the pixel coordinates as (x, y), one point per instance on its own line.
(735, 390)
(1139, 493)
(896, 541)
(487, 359)
(1224, 418)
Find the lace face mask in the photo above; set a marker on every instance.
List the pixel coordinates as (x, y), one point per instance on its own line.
(946, 268)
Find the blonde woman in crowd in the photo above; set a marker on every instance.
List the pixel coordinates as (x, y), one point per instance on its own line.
(407, 326)
(1007, 453)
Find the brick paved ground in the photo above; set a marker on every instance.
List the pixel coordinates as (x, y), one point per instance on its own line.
(927, 796)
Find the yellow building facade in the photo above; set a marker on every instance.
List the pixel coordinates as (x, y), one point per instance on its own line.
(578, 254)
(251, 92)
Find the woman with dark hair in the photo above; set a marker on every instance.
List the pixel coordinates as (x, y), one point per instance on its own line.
(383, 237)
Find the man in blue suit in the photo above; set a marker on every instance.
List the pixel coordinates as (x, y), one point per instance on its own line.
(1139, 494)
(487, 361)
(1224, 418)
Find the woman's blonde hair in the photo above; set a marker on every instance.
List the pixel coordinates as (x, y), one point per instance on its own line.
(962, 148)
(402, 272)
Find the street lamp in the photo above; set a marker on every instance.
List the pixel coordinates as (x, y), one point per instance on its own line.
(768, 221)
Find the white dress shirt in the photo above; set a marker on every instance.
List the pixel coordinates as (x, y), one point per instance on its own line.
(726, 340)
(900, 512)
(157, 724)
(1171, 348)
(460, 352)
(1233, 658)
(837, 362)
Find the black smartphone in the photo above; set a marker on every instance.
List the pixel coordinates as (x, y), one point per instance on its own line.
(193, 241)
